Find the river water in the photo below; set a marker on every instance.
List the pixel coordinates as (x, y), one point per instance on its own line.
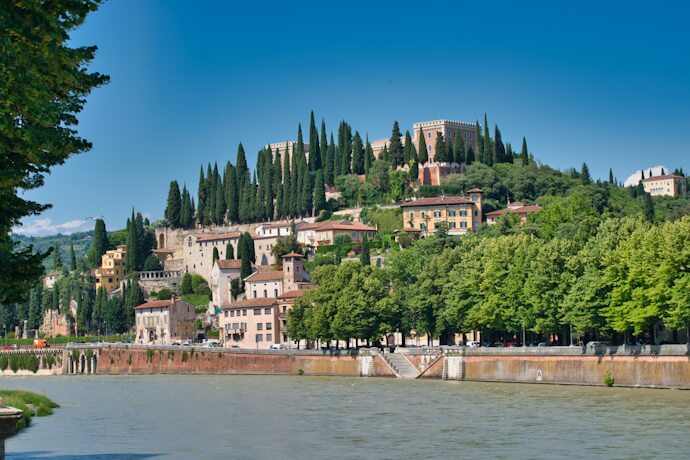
(280, 417)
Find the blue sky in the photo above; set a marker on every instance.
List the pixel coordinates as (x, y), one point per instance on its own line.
(603, 82)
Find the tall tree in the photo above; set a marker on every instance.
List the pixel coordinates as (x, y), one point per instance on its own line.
(57, 259)
(395, 147)
(459, 150)
(611, 179)
(100, 242)
(229, 252)
(201, 197)
(648, 207)
(364, 257)
(44, 87)
(441, 149)
(585, 177)
(173, 208)
(368, 156)
(323, 148)
(319, 193)
(215, 255)
(314, 146)
(72, 258)
(524, 155)
(479, 143)
(423, 152)
(357, 154)
(488, 155)
(499, 149)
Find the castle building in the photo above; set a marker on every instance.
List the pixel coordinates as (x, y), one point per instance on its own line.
(112, 271)
(287, 146)
(461, 214)
(449, 128)
(665, 185)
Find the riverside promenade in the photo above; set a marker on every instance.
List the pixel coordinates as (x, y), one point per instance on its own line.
(664, 366)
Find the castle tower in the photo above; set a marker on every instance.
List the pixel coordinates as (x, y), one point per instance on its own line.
(293, 271)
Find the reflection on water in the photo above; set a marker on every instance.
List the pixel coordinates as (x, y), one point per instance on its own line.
(277, 417)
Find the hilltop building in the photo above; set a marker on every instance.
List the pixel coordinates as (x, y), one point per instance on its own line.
(517, 207)
(50, 279)
(112, 271)
(283, 147)
(449, 128)
(665, 185)
(161, 322)
(260, 319)
(461, 214)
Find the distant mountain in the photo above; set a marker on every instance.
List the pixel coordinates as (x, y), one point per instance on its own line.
(81, 241)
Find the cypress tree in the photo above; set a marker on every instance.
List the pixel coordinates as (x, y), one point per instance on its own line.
(55, 304)
(219, 208)
(414, 163)
(385, 156)
(319, 192)
(479, 143)
(488, 145)
(441, 154)
(231, 195)
(57, 260)
(469, 158)
(253, 204)
(229, 252)
(357, 154)
(244, 207)
(499, 152)
(364, 257)
(100, 242)
(323, 149)
(611, 179)
(277, 177)
(34, 314)
(135, 296)
(216, 256)
(72, 259)
(509, 153)
(524, 156)
(314, 147)
(330, 173)
(241, 166)
(407, 148)
(395, 147)
(210, 196)
(287, 183)
(368, 156)
(131, 258)
(648, 207)
(268, 189)
(423, 153)
(172, 210)
(344, 155)
(584, 175)
(459, 154)
(186, 216)
(201, 197)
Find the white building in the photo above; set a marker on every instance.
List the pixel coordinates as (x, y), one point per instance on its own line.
(162, 322)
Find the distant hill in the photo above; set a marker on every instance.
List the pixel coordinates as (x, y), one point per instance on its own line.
(81, 241)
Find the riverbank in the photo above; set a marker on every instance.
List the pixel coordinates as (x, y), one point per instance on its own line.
(665, 366)
(31, 404)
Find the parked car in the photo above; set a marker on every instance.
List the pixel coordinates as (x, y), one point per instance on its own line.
(276, 346)
(544, 344)
(499, 344)
(512, 344)
(187, 343)
(594, 344)
(41, 343)
(473, 344)
(14, 346)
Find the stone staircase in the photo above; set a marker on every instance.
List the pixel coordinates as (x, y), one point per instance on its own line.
(401, 366)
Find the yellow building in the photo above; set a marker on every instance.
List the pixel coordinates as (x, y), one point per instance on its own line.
(112, 271)
(461, 214)
(665, 185)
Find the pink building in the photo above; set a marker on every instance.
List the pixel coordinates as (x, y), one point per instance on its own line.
(517, 207)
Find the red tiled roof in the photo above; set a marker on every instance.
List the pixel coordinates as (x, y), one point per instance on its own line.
(249, 303)
(662, 177)
(267, 275)
(475, 190)
(292, 294)
(521, 210)
(343, 224)
(216, 236)
(293, 254)
(154, 304)
(229, 264)
(437, 201)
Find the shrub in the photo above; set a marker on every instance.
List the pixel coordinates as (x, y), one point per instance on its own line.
(202, 289)
(14, 363)
(164, 294)
(323, 215)
(300, 371)
(196, 281)
(149, 356)
(608, 379)
(4, 362)
(186, 284)
(31, 363)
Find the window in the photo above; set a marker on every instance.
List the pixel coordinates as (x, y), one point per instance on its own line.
(269, 326)
(451, 213)
(475, 198)
(232, 313)
(257, 311)
(422, 226)
(428, 135)
(267, 310)
(463, 213)
(437, 225)
(275, 293)
(226, 313)
(260, 327)
(430, 149)
(259, 338)
(265, 293)
(254, 294)
(463, 224)
(437, 213)
(423, 214)
(244, 312)
(476, 213)
(452, 224)
(269, 337)
(411, 214)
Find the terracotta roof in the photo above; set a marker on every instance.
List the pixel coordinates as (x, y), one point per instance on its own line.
(216, 236)
(343, 224)
(292, 294)
(662, 177)
(520, 210)
(437, 201)
(293, 254)
(267, 275)
(249, 303)
(475, 190)
(229, 264)
(154, 304)
(53, 273)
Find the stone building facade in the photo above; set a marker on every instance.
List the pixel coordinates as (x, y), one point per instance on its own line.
(162, 322)
(112, 271)
(461, 214)
(665, 185)
(449, 128)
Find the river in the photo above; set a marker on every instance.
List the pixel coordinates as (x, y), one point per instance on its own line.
(281, 417)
